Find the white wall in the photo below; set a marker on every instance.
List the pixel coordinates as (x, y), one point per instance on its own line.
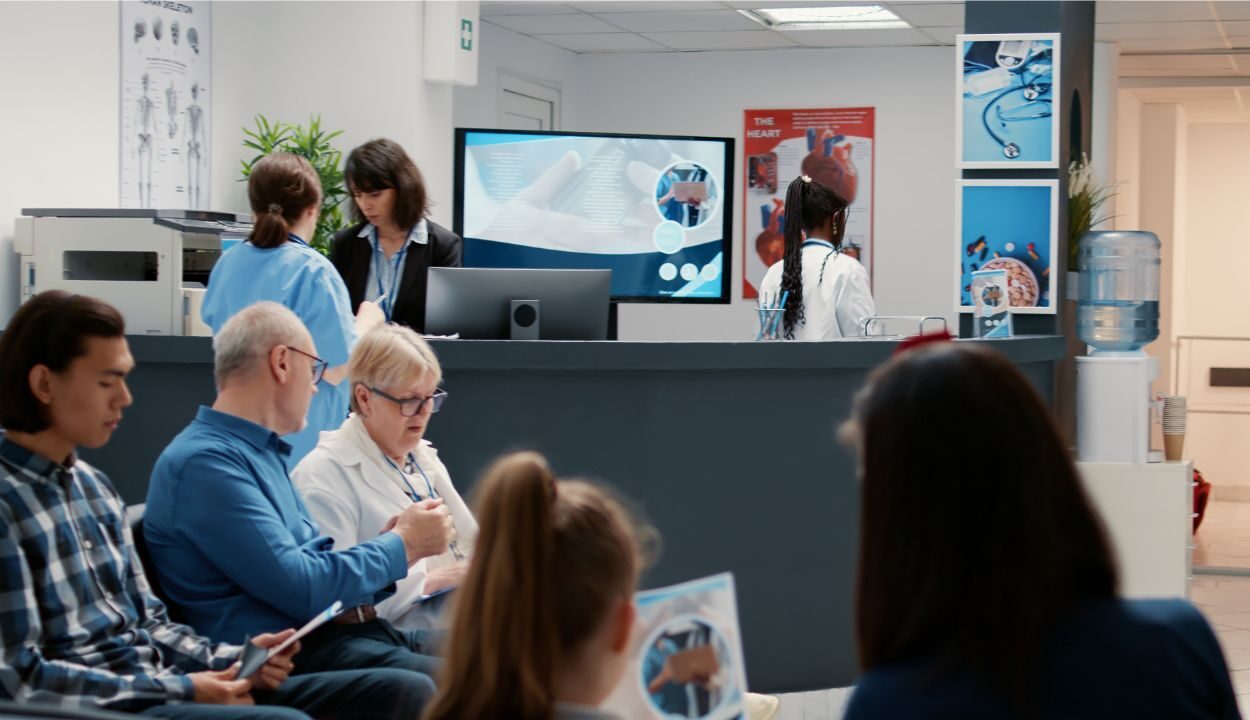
(1104, 120)
(1163, 161)
(1127, 175)
(502, 51)
(705, 94)
(59, 145)
(357, 64)
(1218, 183)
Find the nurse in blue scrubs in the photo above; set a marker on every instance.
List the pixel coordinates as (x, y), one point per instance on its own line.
(277, 264)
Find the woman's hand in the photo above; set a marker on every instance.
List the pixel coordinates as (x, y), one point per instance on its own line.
(368, 316)
(448, 576)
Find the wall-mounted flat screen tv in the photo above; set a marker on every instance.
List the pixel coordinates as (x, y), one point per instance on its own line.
(654, 209)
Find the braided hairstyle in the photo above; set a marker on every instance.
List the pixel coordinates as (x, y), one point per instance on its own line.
(808, 205)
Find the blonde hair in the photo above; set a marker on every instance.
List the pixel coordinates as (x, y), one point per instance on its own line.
(552, 558)
(391, 356)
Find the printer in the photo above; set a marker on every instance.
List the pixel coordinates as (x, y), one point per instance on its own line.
(152, 265)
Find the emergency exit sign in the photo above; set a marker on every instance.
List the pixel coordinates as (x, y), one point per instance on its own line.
(466, 34)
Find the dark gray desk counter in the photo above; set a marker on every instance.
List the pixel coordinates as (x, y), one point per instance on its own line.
(727, 448)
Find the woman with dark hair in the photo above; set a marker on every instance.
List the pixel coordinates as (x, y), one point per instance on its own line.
(826, 293)
(986, 586)
(277, 264)
(387, 254)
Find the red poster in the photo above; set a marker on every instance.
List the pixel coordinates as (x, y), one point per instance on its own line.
(834, 147)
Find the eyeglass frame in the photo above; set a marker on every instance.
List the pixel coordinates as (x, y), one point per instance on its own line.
(439, 397)
(319, 366)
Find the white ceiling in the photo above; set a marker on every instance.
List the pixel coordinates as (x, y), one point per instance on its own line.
(1158, 38)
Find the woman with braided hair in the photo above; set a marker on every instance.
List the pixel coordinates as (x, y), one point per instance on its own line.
(827, 295)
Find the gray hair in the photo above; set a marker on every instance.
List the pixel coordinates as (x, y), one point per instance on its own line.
(390, 356)
(250, 335)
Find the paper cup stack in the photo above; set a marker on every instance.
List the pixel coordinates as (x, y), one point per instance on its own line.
(1175, 421)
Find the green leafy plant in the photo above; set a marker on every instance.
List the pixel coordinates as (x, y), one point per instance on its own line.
(313, 144)
(1085, 198)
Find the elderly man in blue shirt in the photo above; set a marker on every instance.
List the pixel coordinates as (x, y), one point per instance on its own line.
(79, 625)
(232, 542)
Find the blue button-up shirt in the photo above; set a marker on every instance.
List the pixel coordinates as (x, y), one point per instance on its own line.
(79, 625)
(385, 274)
(303, 280)
(233, 544)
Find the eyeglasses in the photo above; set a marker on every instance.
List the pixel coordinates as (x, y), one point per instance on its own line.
(319, 365)
(408, 407)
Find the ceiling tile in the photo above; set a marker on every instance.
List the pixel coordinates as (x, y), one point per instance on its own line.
(1182, 62)
(944, 35)
(645, 6)
(1175, 72)
(732, 40)
(1239, 41)
(1156, 44)
(859, 38)
(1142, 31)
(756, 4)
(1240, 28)
(1134, 11)
(930, 15)
(603, 42)
(1232, 10)
(704, 21)
(554, 24)
(522, 7)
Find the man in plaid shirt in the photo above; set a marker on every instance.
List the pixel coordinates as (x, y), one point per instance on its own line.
(79, 625)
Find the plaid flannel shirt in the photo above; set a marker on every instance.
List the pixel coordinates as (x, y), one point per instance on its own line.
(79, 625)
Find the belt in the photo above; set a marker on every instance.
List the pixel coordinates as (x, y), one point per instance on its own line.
(356, 616)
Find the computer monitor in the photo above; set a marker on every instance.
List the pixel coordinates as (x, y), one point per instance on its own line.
(655, 209)
(477, 302)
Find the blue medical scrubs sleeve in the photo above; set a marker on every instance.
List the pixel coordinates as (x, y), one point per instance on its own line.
(226, 515)
(326, 309)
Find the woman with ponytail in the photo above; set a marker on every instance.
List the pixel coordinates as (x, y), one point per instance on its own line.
(827, 295)
(543, 620)
(277, 264)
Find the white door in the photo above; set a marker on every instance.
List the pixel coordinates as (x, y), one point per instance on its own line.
(527, 105)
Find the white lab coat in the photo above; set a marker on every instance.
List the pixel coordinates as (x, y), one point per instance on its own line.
(833, 307)
(352, 492)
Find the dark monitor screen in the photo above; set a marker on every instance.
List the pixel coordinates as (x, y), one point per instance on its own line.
(654, 209)
(476, 303)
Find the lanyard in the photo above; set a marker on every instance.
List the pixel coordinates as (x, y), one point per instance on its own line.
(297, 239)
(380, 261)
(412, 493)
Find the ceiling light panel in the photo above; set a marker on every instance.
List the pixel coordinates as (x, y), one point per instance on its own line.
(842, 17)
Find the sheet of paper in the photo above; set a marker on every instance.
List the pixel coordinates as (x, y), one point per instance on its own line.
(685, 654)
(326, 616)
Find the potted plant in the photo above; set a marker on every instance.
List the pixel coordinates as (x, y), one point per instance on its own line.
(313, 144)
(1086, 197)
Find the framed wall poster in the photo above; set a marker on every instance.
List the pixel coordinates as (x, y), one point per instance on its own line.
(1008, 101)
(165, 104)
(835, 147)
(1010, 225)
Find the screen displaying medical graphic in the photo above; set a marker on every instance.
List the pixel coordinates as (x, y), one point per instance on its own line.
(1009, 102)
(165, 105)
(833, 147)
(686, 656)
(1009, 225)
(652, 209)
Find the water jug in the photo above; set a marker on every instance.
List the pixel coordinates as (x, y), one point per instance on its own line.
(1118, 304)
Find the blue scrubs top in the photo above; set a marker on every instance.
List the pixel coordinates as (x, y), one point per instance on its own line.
(303, 280)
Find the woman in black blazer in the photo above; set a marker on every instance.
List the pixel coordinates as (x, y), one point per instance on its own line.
(387, 254)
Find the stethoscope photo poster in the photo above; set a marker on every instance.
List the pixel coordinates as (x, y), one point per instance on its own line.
(1008, 101)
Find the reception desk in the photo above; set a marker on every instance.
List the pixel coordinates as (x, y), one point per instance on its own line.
(728, 449)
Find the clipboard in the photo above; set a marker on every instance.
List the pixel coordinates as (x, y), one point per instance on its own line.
(254, 658)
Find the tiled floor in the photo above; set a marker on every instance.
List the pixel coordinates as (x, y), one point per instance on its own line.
(1224, 538)
(1223, 541)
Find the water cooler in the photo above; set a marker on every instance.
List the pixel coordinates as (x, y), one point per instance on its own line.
(1117, 315)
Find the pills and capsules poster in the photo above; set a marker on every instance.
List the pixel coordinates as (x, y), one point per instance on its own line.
(834, 147)
(1008, 225)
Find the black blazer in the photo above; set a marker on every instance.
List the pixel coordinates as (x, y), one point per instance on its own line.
(352, 256)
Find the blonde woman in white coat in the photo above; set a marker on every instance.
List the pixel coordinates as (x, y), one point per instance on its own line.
(366, 472)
